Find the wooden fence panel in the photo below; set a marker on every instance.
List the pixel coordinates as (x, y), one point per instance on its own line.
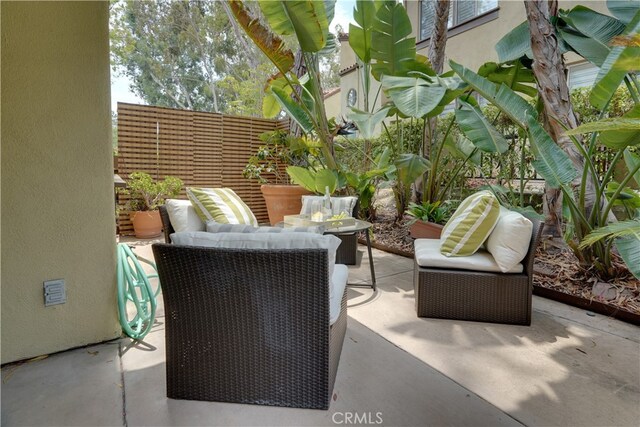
(203, 149)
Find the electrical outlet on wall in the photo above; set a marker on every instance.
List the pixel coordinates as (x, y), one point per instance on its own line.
(54, 292)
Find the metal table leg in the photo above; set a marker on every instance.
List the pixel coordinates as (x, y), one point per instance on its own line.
(373, 273)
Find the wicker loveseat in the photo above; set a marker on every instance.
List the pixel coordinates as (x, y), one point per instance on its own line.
(476, 295)
(249, 325)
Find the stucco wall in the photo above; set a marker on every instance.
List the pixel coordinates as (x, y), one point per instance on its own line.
(57, 182)
(475, 46)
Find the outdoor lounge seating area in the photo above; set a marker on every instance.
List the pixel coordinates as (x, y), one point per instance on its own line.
(315, 228)
(405, 369)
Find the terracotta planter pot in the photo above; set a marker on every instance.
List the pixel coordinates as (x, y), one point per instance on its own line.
(425, 230)
(146, 224)
(282, 200)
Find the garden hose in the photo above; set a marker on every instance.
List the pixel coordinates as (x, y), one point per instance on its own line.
(134, 286)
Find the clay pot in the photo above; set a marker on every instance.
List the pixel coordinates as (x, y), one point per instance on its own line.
(282, 200)
(425, 230)
(146, 224)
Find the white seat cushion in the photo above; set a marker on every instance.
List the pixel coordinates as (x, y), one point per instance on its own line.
(427, 253)
(183, 216)
(338, 286)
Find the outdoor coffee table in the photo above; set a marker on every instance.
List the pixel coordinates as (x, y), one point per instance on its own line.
(359, 226)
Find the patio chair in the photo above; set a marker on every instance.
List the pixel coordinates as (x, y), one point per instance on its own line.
(249, 326)
(477, 295)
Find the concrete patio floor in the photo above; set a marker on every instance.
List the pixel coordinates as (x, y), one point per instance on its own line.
(568, 368)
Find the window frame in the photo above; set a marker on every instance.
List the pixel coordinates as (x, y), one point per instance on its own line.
(459, 27)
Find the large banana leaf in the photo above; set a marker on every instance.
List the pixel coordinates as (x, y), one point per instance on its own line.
(465, 149)
(364, 14)
(627, 241)
(269, 43)
(502, 97)
(326, 178)
(617, 64)
(308, 20)
(410, 167)
(303, 177)
(515, 44)
(632, 160)
(624, 10)
(550, 161)
(515, 75)
(478, 130)
(590, 32)
(293, 109)
(629, 249)
(391, 46)
(414, 97)
(367, 122)
(615, 132)
(270, 105)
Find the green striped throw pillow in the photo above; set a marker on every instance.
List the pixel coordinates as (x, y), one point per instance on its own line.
(220, 205)
(470, 225)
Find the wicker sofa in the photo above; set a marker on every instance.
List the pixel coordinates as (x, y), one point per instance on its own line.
(478, 296)
(249, 325)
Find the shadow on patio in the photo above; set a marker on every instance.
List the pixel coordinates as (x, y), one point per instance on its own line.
(395, 369)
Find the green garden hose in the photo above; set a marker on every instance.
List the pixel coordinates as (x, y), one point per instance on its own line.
(134, 286)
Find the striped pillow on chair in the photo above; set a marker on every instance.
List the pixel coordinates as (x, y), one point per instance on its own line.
(220, 205)
(470, 225)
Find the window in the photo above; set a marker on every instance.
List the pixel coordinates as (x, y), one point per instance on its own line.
(461, 11)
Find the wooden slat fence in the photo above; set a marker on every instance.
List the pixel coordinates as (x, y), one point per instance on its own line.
(203, 149)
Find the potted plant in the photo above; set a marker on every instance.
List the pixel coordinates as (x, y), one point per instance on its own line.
(145, 197)
(268, 166)
(428, 219)
(299, 96)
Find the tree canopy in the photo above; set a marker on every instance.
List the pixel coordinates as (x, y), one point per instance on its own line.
(189, 54)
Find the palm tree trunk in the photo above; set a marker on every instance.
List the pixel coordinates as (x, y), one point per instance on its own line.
(549, 70)
(437, 46)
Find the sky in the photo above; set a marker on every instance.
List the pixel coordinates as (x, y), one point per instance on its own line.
(120, 85)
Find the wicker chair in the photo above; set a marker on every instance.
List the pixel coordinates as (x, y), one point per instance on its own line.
(249, 326)
(478, 296)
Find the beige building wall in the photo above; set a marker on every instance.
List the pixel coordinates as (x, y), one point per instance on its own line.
(332, 104)
(474, 47)
(58, 218)
(471, 48)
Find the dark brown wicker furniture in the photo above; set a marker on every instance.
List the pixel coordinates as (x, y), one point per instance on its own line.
(478, 296)
(249, 326)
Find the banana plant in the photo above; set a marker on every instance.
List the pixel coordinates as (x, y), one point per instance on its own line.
(301, 98)
(557, 169)
(591, 35)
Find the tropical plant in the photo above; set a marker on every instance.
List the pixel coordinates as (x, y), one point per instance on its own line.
(436, 212)
(280, 150)
(548, 33)
(555, 166)
(300, 97)
(146, 194)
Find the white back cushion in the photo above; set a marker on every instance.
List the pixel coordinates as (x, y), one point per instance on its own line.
(261, 241)
(183, 216)
(311, 204)
(509, 240)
